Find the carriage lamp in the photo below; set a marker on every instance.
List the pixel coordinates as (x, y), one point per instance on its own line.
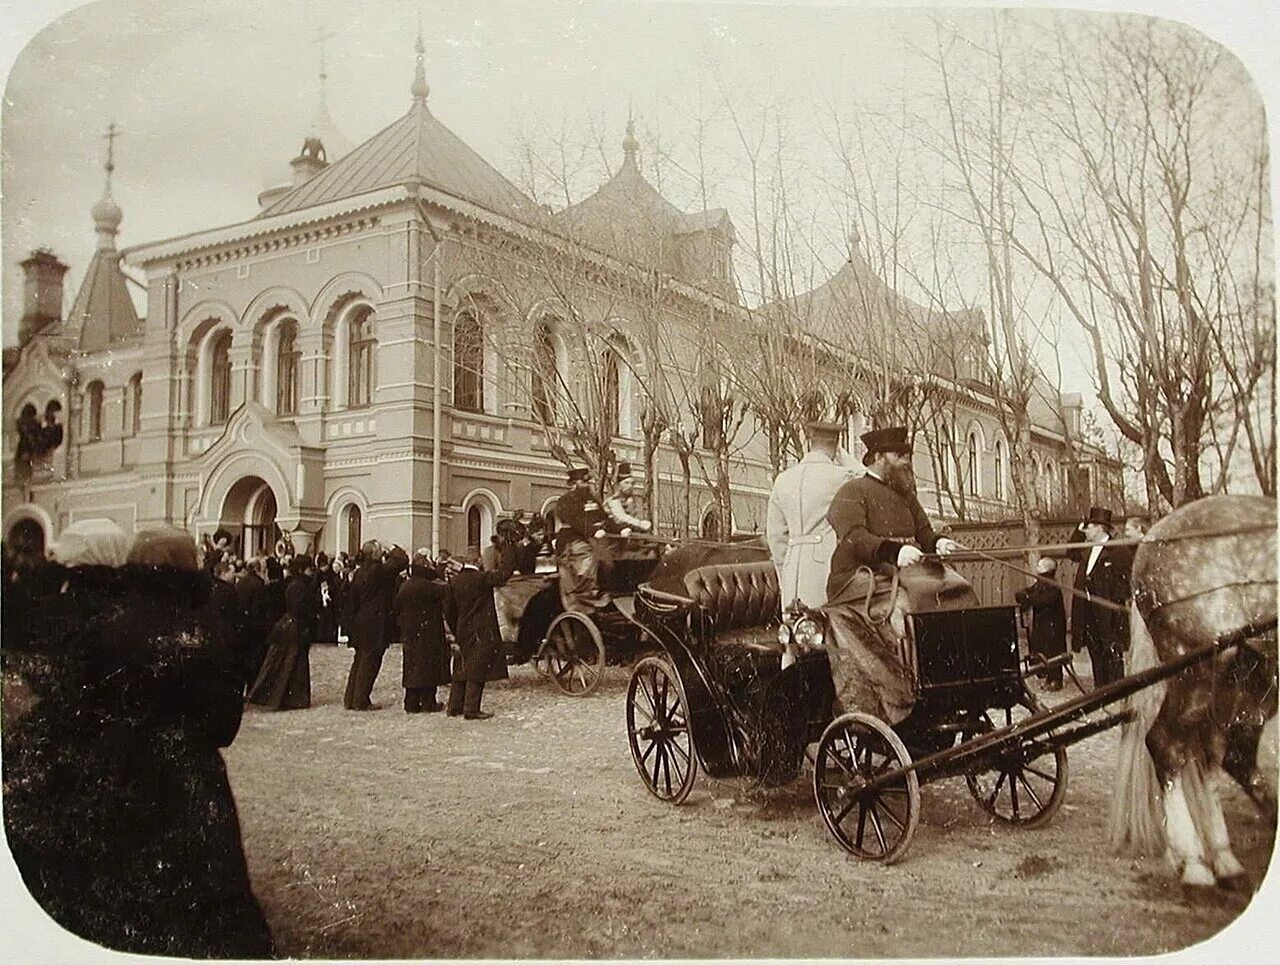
(808, 633)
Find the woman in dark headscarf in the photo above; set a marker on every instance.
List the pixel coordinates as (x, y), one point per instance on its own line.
(284, 681)
(117, 805)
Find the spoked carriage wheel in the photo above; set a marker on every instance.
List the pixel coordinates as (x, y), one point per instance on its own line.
(658, 730)
(574, 653)
(875, 824)
(1026, 785)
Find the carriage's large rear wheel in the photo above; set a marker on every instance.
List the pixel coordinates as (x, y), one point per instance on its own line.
(658, 730)
(573, 653)
(1027, 783)
(873, 823)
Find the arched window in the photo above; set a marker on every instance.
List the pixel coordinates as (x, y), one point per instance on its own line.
(545, 374)
(353, 529)
(973, 464)
(710, 527)
(1001, 469)
(1035, 478)
(133, 405)
(610, 385)
(474, 519)
(220, 379)
(288, 361)
(93, 412)
(360, 349)
(468, 363)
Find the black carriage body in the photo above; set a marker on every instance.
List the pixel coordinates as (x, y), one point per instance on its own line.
(747, 715)
(964, 659)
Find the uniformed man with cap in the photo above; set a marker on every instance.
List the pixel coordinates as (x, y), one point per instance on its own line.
(880, 528)
(621, 504)
(582, 521)
(796, 530)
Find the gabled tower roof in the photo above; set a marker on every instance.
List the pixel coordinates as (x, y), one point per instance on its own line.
(103, 312)
(415, 148)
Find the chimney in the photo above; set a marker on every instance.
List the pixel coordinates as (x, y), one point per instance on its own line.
(42, 293)
(310, 162)
(1071, 404)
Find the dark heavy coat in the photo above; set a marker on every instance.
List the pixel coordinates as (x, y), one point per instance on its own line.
(872, 522)
(328, 602)
(419, 610)
(1048, 636)
(369, 605)
(284, 682)
(474, 618)
(1109, 581)
(117, 806)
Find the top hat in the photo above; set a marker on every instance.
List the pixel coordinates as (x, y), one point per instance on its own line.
(579, 472)
(1099, 515)
(889, 439)
(623, 470)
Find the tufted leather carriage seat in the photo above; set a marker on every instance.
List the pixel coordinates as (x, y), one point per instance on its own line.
(741, 601)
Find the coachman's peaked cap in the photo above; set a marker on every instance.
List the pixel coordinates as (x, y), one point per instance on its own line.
(889, 439)
(579, 472)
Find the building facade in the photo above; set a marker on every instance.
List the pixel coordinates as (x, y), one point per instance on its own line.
(397, 347)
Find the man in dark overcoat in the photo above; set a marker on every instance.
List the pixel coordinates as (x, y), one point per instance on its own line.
(582, 522)
(419, 609)
(1101, 583)
(255, 604)
(1048, 635)
(369, 602)
(474, 618)
(880, 527)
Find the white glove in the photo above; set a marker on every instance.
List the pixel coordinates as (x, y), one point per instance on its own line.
(909, 555)
(599, 534)
(645, 526)
(626, 531)
(946, 546)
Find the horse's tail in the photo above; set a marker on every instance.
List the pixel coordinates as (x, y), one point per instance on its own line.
(1136, 824)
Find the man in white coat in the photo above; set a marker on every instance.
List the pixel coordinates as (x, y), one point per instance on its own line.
(800, 539)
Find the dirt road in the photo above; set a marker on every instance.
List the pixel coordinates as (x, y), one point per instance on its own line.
(530, 835)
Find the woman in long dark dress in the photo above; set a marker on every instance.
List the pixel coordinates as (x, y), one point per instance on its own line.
(419, 609)
(117, 806)
(284, 682)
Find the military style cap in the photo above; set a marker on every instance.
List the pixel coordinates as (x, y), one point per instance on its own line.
(578, 473)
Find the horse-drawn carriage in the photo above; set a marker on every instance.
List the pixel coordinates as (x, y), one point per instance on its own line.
(715, 698)
(570, 646)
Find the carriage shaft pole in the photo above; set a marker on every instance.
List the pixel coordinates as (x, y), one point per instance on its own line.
(952, 760)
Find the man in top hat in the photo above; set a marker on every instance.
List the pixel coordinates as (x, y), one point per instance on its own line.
(882, 536)
(622, 503)
(799, 537)
(582, 521)
(1101, 583)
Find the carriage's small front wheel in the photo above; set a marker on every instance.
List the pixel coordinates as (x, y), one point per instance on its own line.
(573, 653)
(1027, 779)
(658, 730)
(868, 799)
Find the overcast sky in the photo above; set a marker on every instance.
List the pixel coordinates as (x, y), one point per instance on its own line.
(213, 96)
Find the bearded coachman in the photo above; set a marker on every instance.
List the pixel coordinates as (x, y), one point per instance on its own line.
(879, 564)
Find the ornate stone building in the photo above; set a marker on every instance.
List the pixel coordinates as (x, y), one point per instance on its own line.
(379, 353)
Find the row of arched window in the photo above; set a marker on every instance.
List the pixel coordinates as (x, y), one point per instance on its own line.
(95, 401)
(281, 373)
(1048, 481)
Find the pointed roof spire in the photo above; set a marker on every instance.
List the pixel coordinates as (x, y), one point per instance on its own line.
(321, 122)
(629, 143)
(106, 213)
(419, 88)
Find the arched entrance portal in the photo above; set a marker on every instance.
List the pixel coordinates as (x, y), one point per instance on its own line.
(249, 514)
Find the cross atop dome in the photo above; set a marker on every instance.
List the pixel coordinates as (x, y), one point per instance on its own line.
(629, 143)
(106, 213)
